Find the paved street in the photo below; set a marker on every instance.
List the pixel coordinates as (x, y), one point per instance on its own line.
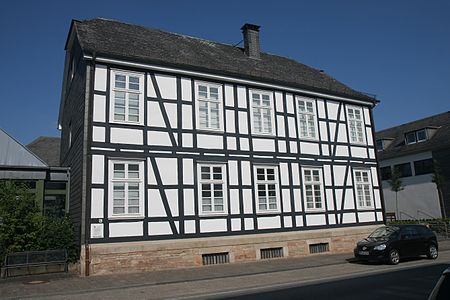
(316, 275)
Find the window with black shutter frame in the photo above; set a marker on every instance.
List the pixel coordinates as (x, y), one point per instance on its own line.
(404, 169)
(386, 173)
(424, 166)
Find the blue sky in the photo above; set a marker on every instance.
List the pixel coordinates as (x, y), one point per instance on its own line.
(398, 50)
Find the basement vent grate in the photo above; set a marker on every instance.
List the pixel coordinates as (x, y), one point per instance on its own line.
(271, 253)
(216, 258)
(319, 248)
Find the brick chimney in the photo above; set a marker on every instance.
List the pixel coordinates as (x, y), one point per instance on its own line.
(251, 40)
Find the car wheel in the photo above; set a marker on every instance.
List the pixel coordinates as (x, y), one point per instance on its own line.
(394, 257)
(432, 252)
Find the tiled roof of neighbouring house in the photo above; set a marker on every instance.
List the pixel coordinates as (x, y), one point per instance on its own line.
(47, 149)
(115, 39)
(398, 147)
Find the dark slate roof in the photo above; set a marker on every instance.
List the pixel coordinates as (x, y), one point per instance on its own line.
(47, 149)
(441, 138)
(115, 39)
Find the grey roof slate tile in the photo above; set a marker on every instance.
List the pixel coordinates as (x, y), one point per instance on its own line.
(47, 149)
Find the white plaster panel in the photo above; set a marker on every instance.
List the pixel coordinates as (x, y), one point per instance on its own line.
(332, 110)
(329, 198)
(100, 78)
(293, 147)
(150, 88)
(379, 216)
(369, 136)
(187, 140)
(280, 129)
(323, 131)
(342, 134)
(126, 229)
(186, 89)
(377, 199)
(248, 223)
(233, 172)
(229, 95)
(349, 179)
(98, 168)
(188, 199)
(177, 226)
(97, 231)
(298, 200)
(282, 146)
(287, 221)
(290, 103)
(188, 171)
(366, 216)
(98, 134)
(279, 101)
(167, 86)
(159, 228)
(342, 116)
(155, 204)
(248, 201)
(309, 148)
(213, 225)
(244, 144)
(327, 174)
(235, 224)
(231, 125)
(315, 220)
(234, 201)
(299, 221)
(284, 173)
(97, 202)
(171, 110)
(295, 174)
(158, 138)
(332, 132)
(231, 143)
(372, 154)
(325, 150)
(339, 175)
(246, 173)
(286, 197)
(349, 199)
(242, 97)
(374, 174)
(264, 145)
(187, 116)
(321, 108)
(168, 169)
(99, 114)
(341, 150)
(292, 127)
(154, 115)
(172, 199)
(331, 219)
(189, 226)
(359, 152)
(338, 198)
(243, 125)
(126, 136)
(269, 222)
(349, 218)
(207, 141)
(150, 173)
(366, 116)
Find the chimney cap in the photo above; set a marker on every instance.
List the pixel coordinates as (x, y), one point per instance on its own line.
(248, 26)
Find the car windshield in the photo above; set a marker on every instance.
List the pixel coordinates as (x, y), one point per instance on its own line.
(383, 232)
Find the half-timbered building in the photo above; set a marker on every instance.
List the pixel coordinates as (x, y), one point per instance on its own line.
(185, 151)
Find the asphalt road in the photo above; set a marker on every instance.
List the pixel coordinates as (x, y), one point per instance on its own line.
(415, 283)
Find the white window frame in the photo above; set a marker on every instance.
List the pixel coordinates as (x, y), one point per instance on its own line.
(363, 127)
(209, 100)
(266, 182)
(313, 114)
(223, 181)
(368, 183)
(127, 91)
(112, 180)
(313, 182)
(272, 112)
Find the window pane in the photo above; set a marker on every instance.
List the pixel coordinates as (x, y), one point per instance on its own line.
(404, 169)
(120, 81)
(133, 83)
(214, 93)
(205, 172)
(133, 171)
(202, 91)
(119, 171)
(410, 138)
(421, 135)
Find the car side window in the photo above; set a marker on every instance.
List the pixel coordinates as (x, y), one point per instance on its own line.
(409, 233)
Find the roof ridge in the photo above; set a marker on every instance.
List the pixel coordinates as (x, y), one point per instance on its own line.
(415, 121)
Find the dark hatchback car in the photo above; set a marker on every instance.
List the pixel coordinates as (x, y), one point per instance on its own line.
(390, 243)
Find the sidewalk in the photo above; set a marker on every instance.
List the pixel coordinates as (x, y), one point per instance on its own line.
(61, 285)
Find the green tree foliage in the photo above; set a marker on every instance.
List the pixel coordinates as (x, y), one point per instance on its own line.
(439, 179)
(24, 228)
(396, 186)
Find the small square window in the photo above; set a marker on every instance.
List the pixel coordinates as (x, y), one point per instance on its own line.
(421, 135)
(410, 138)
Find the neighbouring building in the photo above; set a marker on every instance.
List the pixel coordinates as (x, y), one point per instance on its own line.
(37, 167)
(414, 149)
(186, 152)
